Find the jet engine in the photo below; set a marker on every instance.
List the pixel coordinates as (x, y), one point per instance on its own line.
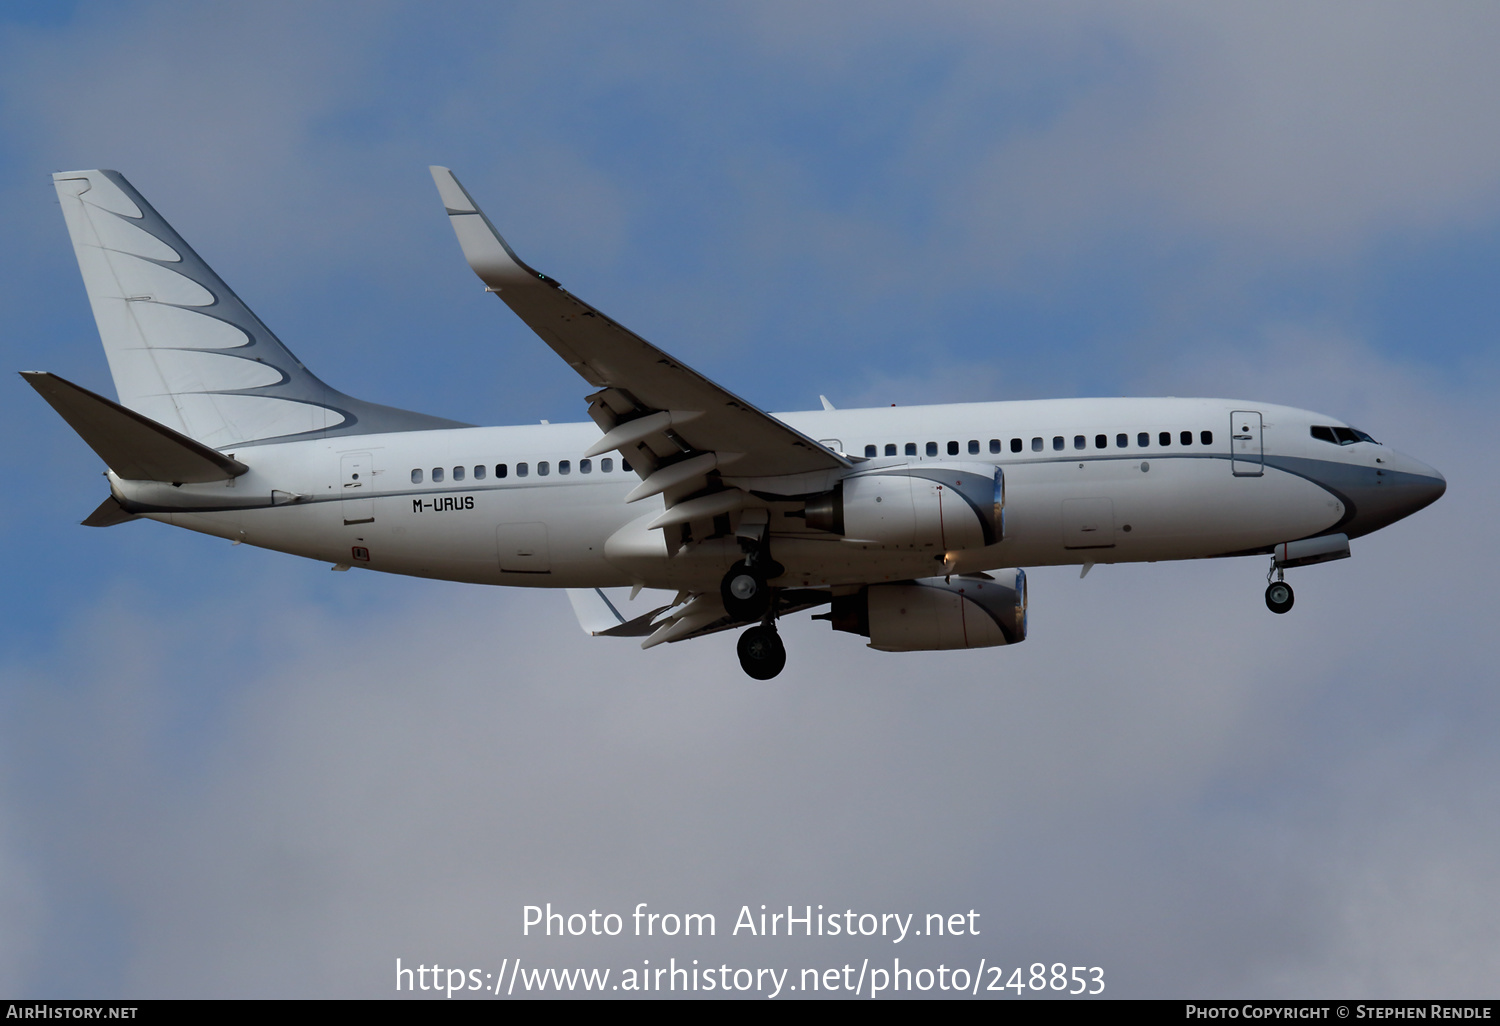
(946, 506)
(975, 611)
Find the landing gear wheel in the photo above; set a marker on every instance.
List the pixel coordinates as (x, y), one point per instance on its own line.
(1279, 597)
(762, 655)
(745, 592)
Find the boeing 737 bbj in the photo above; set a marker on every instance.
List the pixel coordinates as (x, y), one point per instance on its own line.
(912, 524)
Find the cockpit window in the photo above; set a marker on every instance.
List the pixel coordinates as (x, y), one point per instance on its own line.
(1340, 435)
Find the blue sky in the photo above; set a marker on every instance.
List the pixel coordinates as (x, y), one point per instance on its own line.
(214, 758)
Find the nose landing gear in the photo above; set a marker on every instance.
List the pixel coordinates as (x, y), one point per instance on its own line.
(1279, 596)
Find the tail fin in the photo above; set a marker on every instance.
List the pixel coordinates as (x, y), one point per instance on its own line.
(183, 349)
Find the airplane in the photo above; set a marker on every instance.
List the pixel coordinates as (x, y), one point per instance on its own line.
(913, 525)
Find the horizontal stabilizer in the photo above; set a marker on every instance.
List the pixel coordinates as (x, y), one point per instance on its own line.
(109, 513)
(135, 447)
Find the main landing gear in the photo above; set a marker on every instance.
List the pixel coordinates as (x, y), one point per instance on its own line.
(1279, 597)
(762, 655)
(745, 592)
(747, 597)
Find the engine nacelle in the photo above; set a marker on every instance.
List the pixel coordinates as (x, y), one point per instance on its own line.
(937, 613)
(944, 506)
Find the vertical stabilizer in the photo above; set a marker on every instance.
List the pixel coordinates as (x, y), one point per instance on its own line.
(183, 349)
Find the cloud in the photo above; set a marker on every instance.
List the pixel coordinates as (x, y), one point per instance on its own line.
(1272, 134)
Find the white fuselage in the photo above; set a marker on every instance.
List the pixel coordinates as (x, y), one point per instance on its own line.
(562, 521)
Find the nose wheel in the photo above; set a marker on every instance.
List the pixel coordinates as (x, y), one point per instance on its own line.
(762, 655)
(1279, 597)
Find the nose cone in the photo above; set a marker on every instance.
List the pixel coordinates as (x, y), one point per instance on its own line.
(1394, 490)
(1419, 484)
(1429, 487)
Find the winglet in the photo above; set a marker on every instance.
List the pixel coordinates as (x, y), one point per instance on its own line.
(484, 248)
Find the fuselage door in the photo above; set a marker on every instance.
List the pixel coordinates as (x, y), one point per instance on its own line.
(357, 486)
(1245, 452)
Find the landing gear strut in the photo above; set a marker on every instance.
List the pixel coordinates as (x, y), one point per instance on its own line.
(747, 596)
(762, 655)
(1279, 597)
(744, 590)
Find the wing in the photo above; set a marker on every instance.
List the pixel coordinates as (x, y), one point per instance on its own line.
(676, 428)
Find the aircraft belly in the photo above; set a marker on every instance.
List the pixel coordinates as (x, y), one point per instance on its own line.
(514, 536)
(454, 537)
(1178, 508)
(820, 562)
(222, 525)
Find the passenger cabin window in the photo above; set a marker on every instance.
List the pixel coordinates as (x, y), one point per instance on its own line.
(624, 464)
(416, 477)
(911, 448)
(1101, 441)
(890, 449)
(1206, 437)
(1036, 445)
(1165, 438)
(437, 475)
(606, 465)
(564, 467)
(458, 473)
(974, 446)
(585, 466)
(1079, 441)
(501, 470)
(522, 470)
(1057, 443)
(543, 469)
(1015, 445)
(932, 448)
(952, 448)
(995, 445)
(870, 451)
(1122, 441)
(479, 472)
(1143, 439)
(1187, 438)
